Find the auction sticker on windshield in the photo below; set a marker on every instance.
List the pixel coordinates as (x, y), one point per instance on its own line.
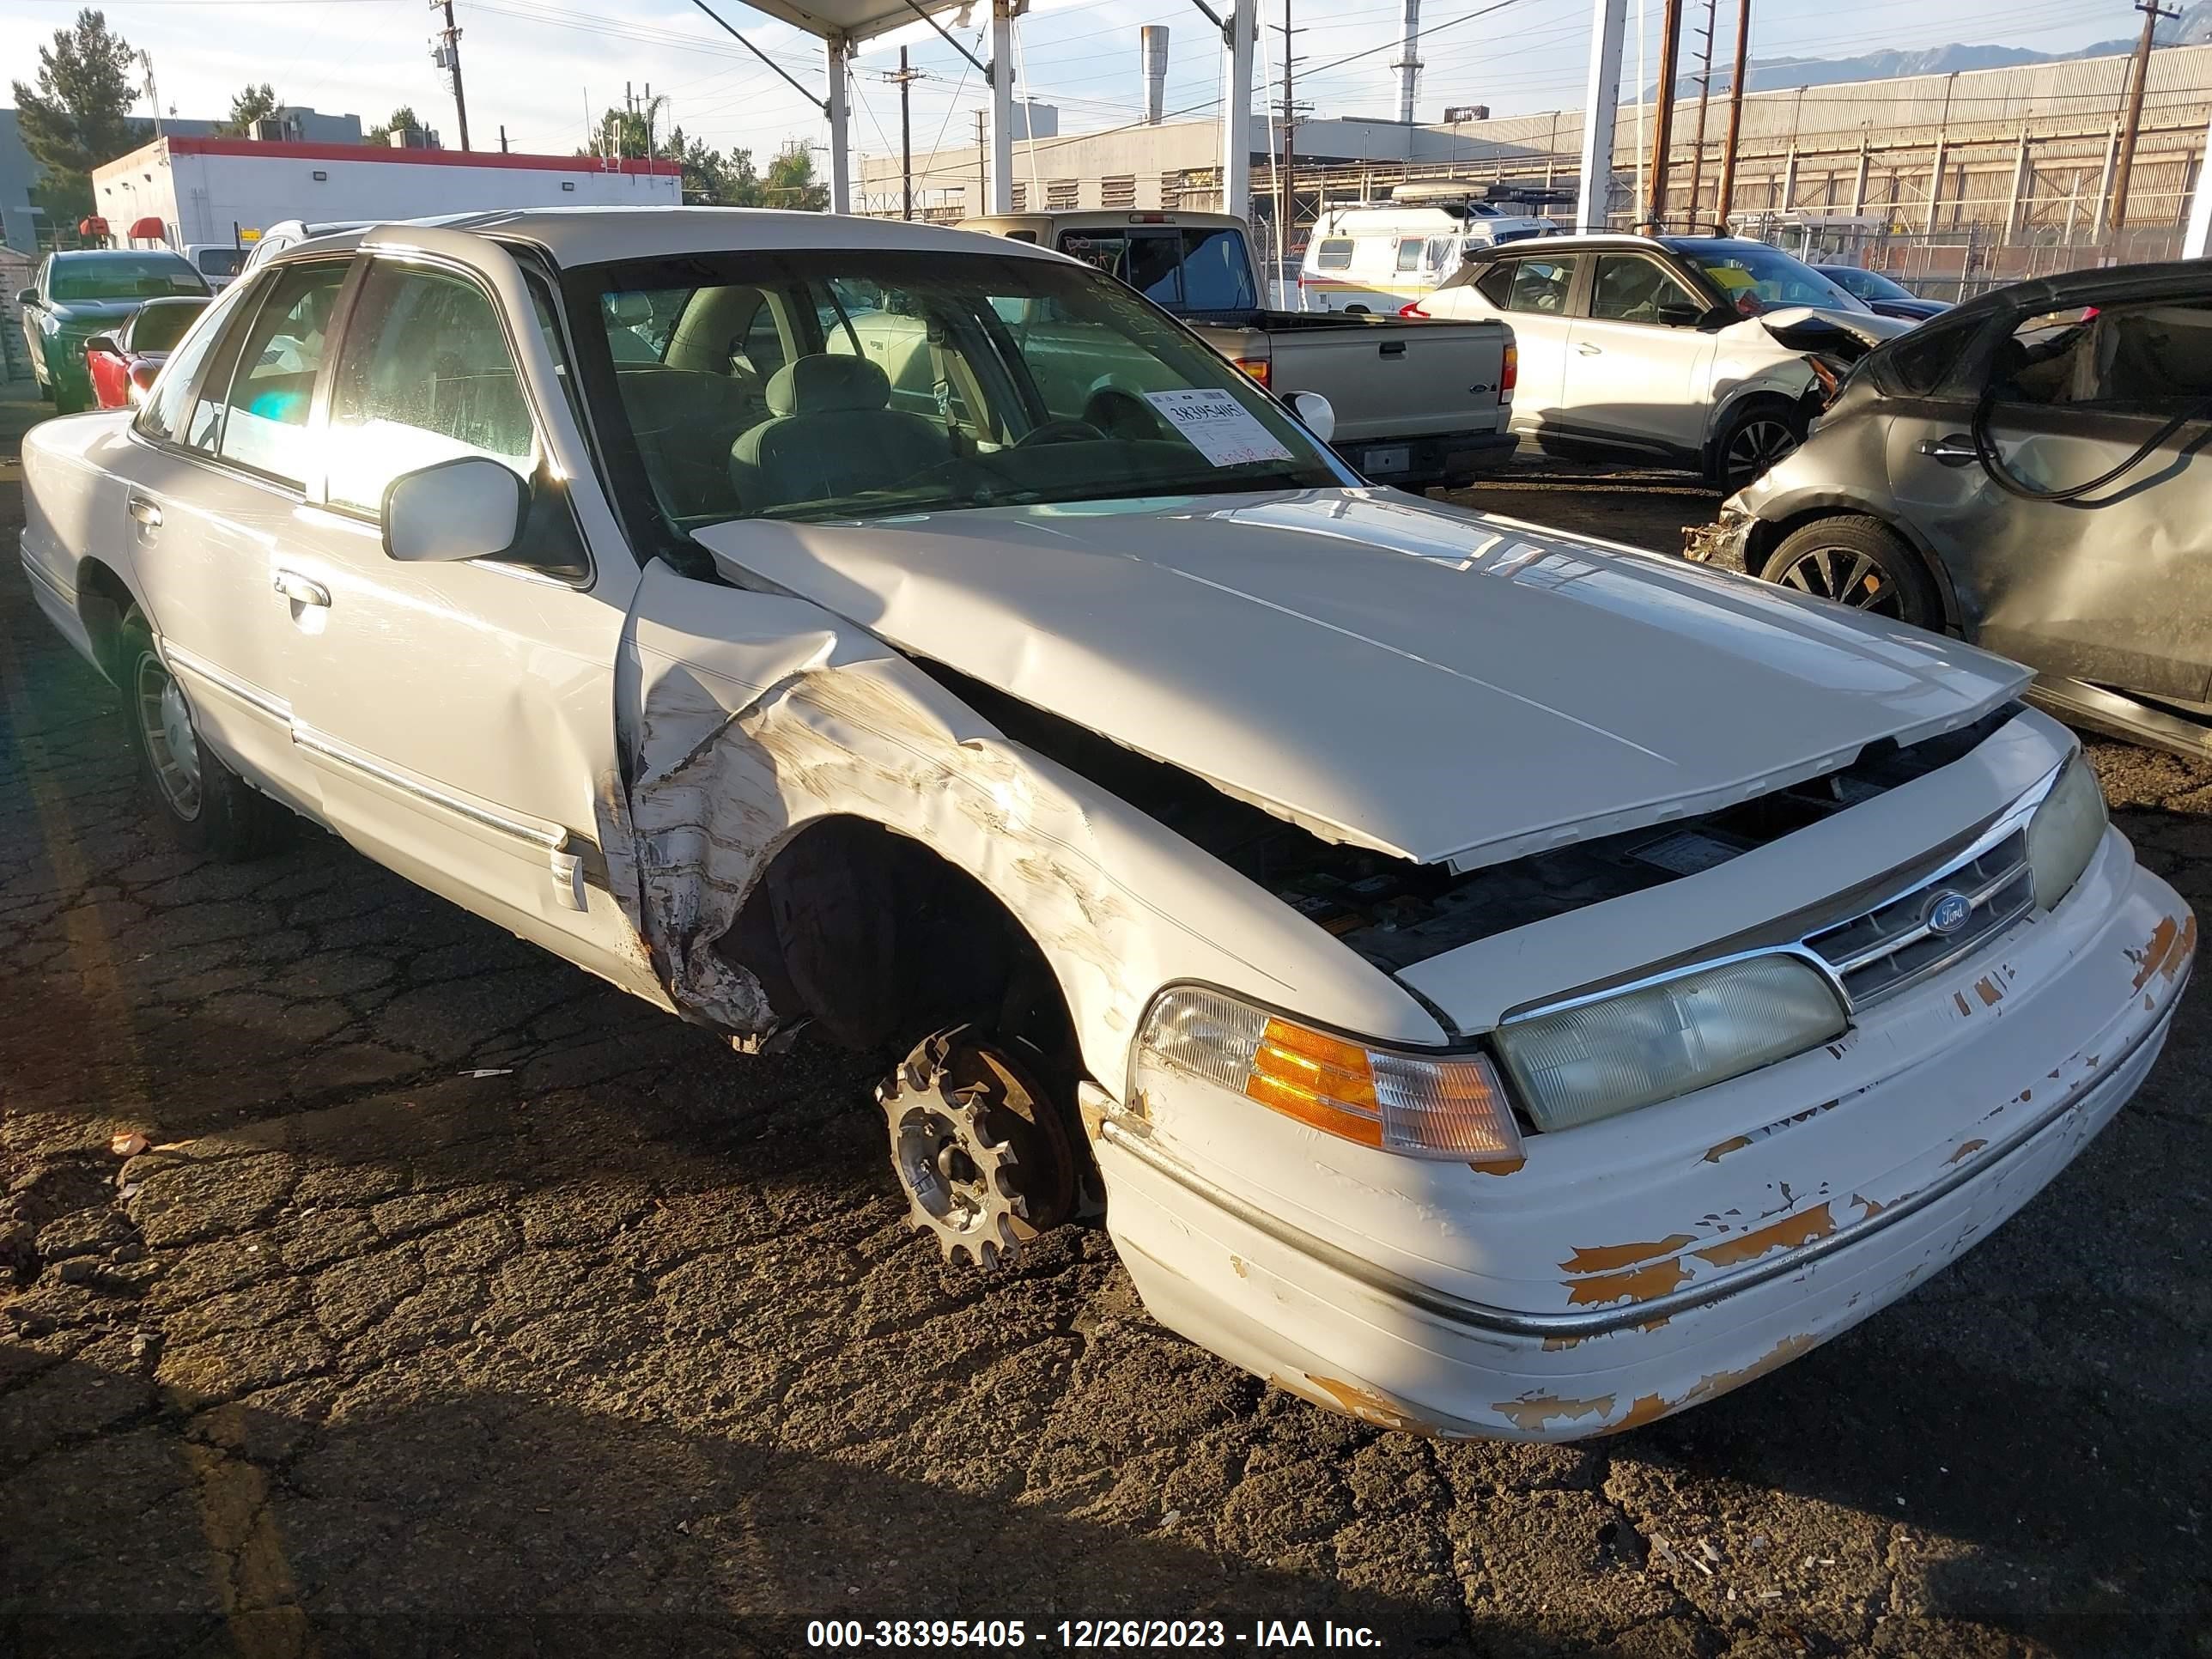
(1218, 426)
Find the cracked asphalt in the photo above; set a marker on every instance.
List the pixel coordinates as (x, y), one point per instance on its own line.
(620, 1348)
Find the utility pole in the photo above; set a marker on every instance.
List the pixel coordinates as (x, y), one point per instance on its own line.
(152, 94)
(1705, 95)
(1288, 213)
(449, 57)
(1727, 203)
(904, 78)
(2138, 77)
(1662, 119)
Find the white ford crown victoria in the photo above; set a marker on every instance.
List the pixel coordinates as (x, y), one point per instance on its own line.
(1495, 984)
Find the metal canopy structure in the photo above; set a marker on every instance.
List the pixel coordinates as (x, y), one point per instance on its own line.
(843, 25)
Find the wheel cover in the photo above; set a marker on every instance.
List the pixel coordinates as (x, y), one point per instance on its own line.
(164, 726)
(1847, 576)
(1756, 445)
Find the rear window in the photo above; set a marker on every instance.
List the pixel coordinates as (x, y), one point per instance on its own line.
(122, 276)
(1198, 268)
(220, 261)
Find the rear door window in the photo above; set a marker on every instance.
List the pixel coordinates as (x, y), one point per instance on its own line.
(1541, 287)
(1334, 254)
(2153, 359)
(264, 417)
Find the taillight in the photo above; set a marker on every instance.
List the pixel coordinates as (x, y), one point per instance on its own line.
(1411, 308)
(1256, 366)
(1510, 376)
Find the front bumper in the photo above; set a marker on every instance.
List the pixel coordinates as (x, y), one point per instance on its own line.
(1833, 1210)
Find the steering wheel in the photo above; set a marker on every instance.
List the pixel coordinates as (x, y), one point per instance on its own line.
(1060, 432)
(1118, 412)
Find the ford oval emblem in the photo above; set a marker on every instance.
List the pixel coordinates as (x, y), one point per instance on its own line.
(1948, 912)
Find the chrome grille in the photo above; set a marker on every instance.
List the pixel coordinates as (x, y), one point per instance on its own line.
(1888, 947)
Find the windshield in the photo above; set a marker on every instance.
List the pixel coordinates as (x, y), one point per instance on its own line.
(857, 385)
(221, 261)
(160, 323)
(1196, 269)
(122, 276)
(1756, 277)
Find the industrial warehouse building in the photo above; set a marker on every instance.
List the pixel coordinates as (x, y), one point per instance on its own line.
(214, 189)
(2020, 158)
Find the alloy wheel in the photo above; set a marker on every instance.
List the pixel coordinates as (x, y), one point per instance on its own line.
(1847, 576)
(1755, 445)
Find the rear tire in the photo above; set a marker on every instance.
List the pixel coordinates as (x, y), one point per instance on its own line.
(1859, 562)
(205, 806)
(1755, 438)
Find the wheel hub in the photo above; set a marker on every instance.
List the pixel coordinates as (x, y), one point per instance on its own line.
(980, 1175)
(165, 723)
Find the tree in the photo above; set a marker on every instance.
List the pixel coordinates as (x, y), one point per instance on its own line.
(791, 183)
(402, 119)
(252, 104)
(78, 116)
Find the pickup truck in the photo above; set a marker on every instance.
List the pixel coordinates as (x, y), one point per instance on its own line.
(1326, 883)
(1417, 403)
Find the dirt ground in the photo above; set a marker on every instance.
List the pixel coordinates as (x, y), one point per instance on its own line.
(463, 1307)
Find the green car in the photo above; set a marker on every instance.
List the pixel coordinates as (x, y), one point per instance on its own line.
(86, 292)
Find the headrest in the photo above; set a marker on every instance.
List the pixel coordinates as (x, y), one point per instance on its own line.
(821, 384)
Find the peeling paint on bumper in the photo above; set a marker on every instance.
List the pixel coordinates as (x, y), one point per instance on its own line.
(1331, 1324)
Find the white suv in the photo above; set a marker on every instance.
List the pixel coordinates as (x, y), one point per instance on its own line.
(1688, 349)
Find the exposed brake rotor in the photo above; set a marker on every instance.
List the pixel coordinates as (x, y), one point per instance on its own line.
(983, 1160)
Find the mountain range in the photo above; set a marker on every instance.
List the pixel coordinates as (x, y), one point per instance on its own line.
(2193, 28)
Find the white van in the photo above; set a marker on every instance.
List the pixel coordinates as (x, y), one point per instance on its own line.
(1373, 258)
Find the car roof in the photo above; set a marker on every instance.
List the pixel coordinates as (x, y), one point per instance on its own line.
(599, 235)
(89, 253)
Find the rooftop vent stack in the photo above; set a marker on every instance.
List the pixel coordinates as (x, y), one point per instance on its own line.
(1153, 39)
(1409, 62)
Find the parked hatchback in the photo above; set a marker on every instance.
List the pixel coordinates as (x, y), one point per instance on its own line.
(2026, 471)
(1685, 350)
(87, 291)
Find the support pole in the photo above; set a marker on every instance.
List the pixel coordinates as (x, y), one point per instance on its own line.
(1236, 109)
(1727, 203)
(1002, 106)
(840, 164)
(2105, 183)
(1662, 119)
(2196, 235)
(1704, 98)
(1859, 180)
(1935, 179)
(2016, 206)
(1601, 103)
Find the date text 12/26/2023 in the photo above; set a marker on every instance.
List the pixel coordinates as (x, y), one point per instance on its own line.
(1077, 1635)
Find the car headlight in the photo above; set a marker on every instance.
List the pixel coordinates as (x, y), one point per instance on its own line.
(2063, 835)
(1611, 1055)
(1397, 1100)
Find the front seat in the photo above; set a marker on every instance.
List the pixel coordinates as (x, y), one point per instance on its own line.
(831, 433)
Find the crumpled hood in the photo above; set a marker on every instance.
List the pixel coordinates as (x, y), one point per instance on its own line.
(1422, 680)
(1811, 328)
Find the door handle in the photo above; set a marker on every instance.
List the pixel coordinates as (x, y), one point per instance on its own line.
(1591, 350)
(145, 513)
(1952, 451)
(300, 589)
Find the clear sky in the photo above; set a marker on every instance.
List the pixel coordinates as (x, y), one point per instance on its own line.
(537, 68)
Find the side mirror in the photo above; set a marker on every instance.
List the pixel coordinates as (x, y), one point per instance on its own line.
(26, 296)
(1317, 411)
(105, 343)
(1682, 316)
(469, 508)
